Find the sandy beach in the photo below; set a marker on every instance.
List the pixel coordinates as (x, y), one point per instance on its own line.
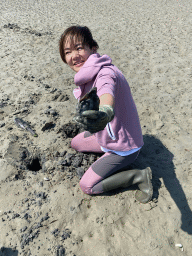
(43, 210)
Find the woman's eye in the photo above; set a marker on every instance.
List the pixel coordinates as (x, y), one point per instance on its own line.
(79, 48)
(67, 53)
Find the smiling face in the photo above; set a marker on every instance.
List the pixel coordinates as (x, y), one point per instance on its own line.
(76, 54)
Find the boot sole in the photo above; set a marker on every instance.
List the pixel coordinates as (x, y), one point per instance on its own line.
(144, 197)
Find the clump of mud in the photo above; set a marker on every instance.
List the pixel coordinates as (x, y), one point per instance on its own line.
(70, 130)
(90, 101)
(77, 164)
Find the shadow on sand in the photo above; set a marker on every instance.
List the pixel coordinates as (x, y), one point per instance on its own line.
(8, 252)
(155, 155)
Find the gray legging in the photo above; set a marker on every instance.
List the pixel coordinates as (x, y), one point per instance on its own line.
(106, 165)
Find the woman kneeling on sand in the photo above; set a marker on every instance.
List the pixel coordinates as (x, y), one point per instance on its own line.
(118, 133)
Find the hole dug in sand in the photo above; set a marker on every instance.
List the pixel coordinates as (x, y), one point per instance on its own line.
(24, 158)
(35, 165)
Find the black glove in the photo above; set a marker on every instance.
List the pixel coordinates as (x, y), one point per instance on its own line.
(96, 120)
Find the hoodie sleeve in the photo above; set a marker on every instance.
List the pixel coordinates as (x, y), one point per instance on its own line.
(106, 82)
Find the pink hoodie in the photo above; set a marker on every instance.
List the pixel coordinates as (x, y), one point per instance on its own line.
(123, 133)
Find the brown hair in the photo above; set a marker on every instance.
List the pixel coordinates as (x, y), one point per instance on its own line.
(83, 34)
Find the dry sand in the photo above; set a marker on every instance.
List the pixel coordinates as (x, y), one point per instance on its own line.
(150, 42)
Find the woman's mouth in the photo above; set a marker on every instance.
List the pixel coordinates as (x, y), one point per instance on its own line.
(78, 64)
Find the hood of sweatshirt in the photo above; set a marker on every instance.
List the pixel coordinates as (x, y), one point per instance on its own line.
(89, 70)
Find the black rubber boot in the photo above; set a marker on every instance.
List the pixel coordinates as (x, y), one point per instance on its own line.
(127, 178)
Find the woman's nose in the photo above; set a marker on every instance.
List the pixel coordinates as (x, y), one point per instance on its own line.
(75, 54)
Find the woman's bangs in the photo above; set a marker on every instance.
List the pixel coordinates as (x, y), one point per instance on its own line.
(74, 38)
